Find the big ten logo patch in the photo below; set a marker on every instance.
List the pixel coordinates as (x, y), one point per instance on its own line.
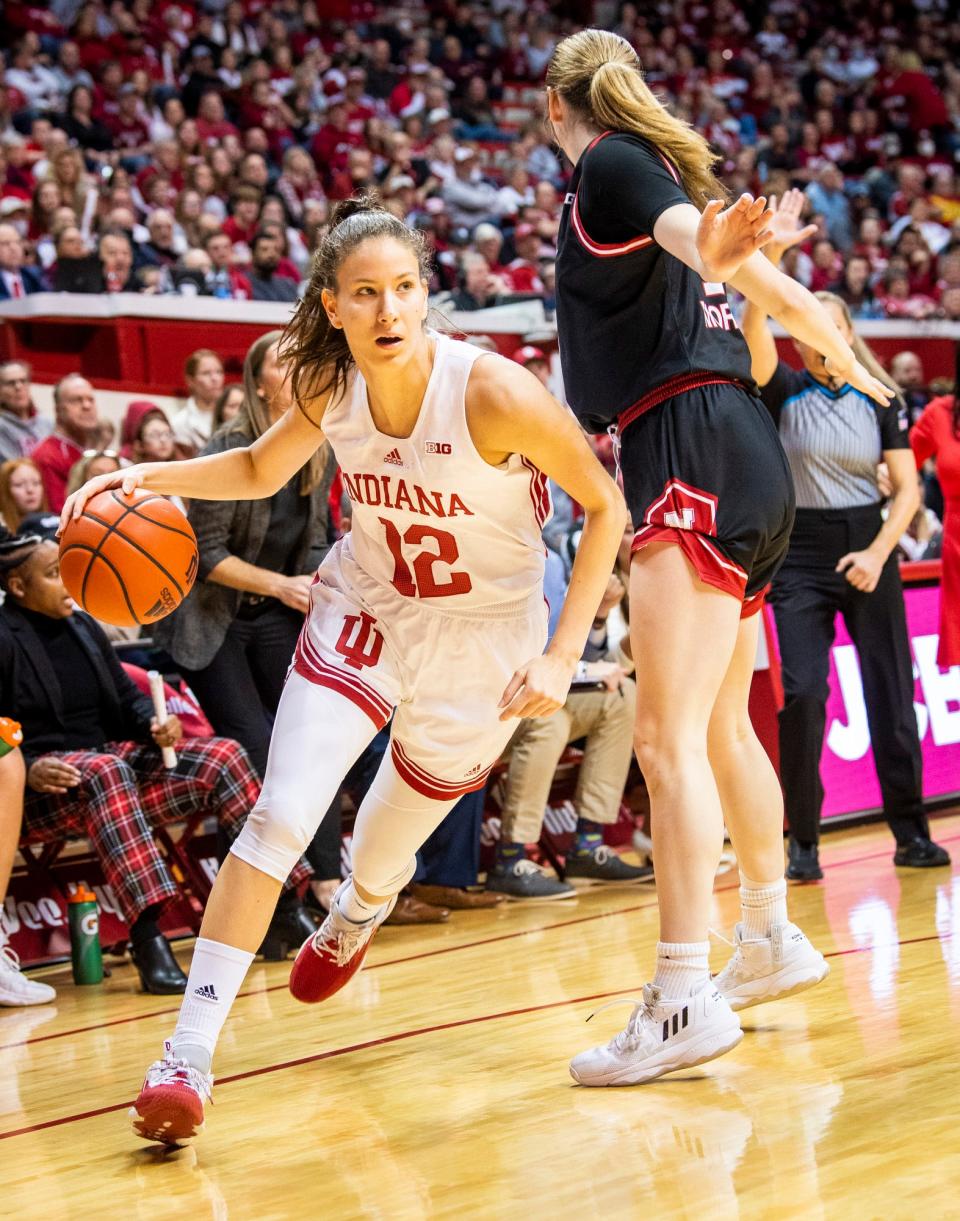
(683, 507)
(438, 447)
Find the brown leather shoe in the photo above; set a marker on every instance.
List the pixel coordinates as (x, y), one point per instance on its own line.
(457, 898)
(409, 910)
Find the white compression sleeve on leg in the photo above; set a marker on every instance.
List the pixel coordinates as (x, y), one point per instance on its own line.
(392, 823)
(318, 735)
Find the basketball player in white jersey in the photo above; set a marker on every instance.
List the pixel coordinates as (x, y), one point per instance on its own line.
(431, 610)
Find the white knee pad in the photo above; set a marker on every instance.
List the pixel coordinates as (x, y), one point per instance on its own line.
(276, 833)
(392, 823)
(317, 737)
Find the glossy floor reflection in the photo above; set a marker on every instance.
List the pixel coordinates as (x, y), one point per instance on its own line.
(436, 1085)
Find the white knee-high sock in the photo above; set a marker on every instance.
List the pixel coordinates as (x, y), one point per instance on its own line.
(216, 974)
(762, 904)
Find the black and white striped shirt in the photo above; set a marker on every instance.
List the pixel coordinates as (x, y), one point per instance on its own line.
(833, 439)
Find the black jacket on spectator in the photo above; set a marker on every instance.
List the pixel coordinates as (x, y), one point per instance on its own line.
(197, 628)
(32, 689)
(85, 276)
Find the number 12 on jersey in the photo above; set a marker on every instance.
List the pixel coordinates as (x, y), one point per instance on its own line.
(420, 582)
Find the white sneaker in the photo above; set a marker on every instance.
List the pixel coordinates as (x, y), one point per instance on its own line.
(770, 967)
(661, 1037)
(15, 987)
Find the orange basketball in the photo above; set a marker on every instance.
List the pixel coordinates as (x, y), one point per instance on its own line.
(129, 559)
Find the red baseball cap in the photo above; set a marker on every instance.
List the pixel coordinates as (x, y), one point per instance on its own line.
(524, 355)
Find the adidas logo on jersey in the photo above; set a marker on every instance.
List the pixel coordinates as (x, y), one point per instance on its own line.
(207, 992)
(394, 458)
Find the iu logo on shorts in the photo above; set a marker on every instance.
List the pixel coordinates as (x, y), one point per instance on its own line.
(683, 507)
(360, 643)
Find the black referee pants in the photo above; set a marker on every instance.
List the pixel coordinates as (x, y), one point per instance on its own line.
(807, 594)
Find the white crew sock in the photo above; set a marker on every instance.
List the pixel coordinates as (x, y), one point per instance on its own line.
(683, 967)
(762, 905)
(353, 908)
(216, 974)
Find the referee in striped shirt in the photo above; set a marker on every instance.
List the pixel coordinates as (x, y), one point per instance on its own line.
(842, 558)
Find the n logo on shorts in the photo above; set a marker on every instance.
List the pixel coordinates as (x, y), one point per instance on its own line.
(365, 647)
(683, 507)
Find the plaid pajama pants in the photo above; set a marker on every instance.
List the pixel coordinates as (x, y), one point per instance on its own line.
(126, 790)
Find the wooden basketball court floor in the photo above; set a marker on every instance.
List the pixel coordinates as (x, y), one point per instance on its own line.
(436, 1085)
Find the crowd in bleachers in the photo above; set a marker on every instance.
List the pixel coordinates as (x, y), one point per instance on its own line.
(195, 148)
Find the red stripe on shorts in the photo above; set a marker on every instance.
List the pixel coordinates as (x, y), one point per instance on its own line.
(308, 663)
(708, 561)
(432, 786)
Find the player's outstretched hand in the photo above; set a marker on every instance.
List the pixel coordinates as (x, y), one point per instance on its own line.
(862, 379)
(128, 479)
(537, 689)
(727, 237)
(785, 224)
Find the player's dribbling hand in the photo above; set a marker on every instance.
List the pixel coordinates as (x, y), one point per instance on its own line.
(127, 479)
(537, 689)
(861, 379)
(727, 237)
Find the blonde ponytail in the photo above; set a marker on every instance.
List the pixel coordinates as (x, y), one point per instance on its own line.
(861, 349)
(598, 74)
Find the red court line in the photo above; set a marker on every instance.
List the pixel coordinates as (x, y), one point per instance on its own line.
(336, 1052)
(449, 949)
(327, 1055)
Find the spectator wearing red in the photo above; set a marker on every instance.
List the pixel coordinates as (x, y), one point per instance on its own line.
(75, 410)
(212, 122)
(937, 435)
(241, 224)
(409, 96)
(360, 107)
(331, 146)
(228, 280)
(299, 183)
(827, 265)
(127, 127)
(523, 274)
(912, 91)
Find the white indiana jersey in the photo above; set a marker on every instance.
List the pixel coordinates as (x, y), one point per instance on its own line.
(431, 518)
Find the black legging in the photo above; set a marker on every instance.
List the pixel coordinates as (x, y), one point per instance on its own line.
(807, 594)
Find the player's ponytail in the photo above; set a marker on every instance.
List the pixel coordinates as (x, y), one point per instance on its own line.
(599, 75)
(316, 351)
(861, 349)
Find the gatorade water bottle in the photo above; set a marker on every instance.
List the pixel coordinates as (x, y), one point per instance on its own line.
(11, 735)
(85, 954)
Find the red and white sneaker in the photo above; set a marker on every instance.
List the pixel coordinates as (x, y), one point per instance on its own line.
(170, 1106)
(331, 956)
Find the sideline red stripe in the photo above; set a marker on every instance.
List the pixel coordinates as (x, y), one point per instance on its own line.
(335, 1052)
(450, 949)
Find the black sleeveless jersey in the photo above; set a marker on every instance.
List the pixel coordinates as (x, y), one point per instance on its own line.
(635, 325)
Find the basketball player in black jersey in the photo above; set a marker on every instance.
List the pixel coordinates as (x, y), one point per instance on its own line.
(650, 349)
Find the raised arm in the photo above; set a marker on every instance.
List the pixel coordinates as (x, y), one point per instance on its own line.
(252, 473)
(509, 411)
(726, 246)
(787, 232)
